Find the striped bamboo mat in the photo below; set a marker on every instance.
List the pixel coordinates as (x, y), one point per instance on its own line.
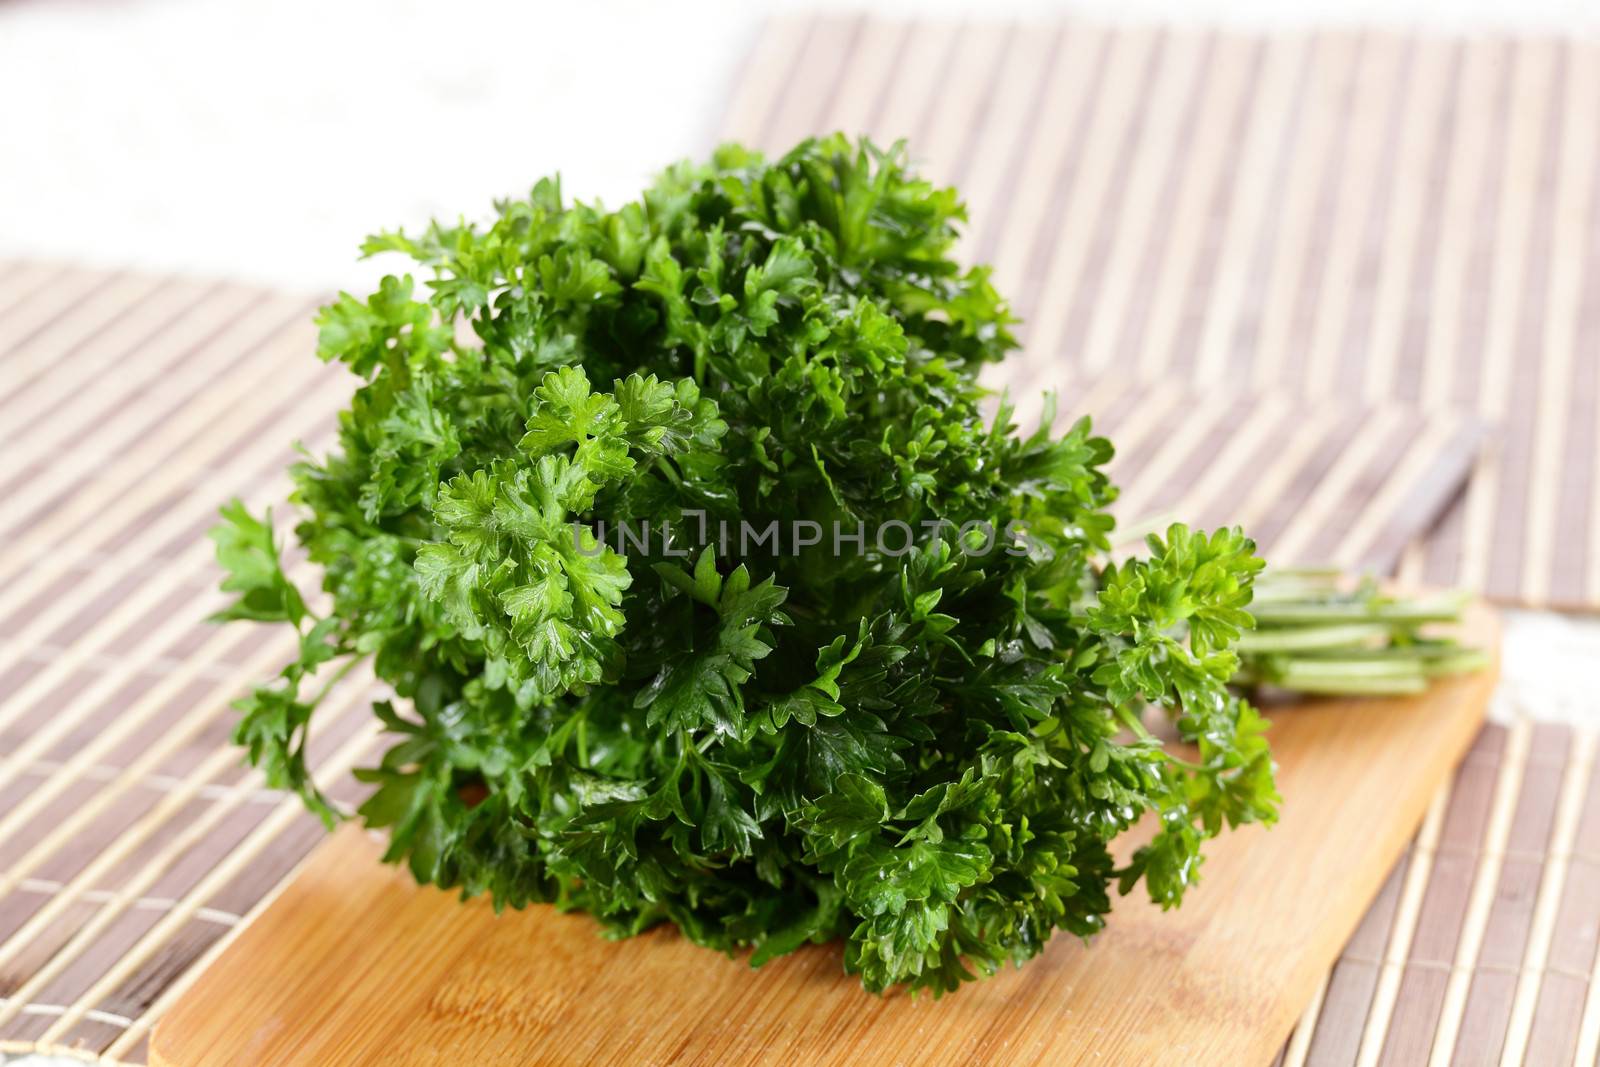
(1350, 485)
(1393, 218)
(131, 841)
(1481, 948)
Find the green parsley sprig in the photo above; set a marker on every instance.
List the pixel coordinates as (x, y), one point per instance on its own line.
(926, 754)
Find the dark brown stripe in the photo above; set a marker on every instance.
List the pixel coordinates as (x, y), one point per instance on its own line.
(823, 121)
(179, 876)
(148, 982)
(983, 114)
(1554, 1038)
(880, 100)
(114, 942)
(1062, 183)
(88, 315)
(18, 292)
(1352, 504)
(804, 110)
(1227, 506)
(1306, 480)
(1570, 963)
(1444, 907)
(1508, 514)
(1135, 315)
(1472, 793)
(928, 109)
(1133, 454)
(1177, 486)
(1111, 414)
(1425, 501)
(91, 1034)
(1356, 331)
(1086, 287)
(1283, 366)
(126, 351)
(1354, 978)
(1505, 939)
(260, 878)
(765, 129)
(1409, 512)
(1444, 903)
(1245, 332)
(1468, 364)
(179, 493)
(1407, 382)
(242, 351)
(1576, 542)
(202, 436)
(1443, 547)
(1483, 1022)
(1221, 203)
(996, 213)
(88, 287)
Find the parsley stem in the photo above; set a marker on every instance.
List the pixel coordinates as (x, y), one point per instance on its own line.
(1288, 639)
(1133, 722)
(1303, 612)
(345, 668)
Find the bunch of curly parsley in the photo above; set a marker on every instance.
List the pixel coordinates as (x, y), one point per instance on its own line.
(924, 751)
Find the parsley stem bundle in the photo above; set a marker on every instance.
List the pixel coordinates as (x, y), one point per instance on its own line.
(924, 747)
(1315, 633)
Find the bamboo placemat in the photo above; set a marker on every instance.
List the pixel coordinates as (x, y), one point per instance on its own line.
(1349, 485)
(1363, 215)
(1481, 947)
(132, 843)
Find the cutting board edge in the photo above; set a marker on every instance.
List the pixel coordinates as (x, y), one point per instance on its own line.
(1480, 689)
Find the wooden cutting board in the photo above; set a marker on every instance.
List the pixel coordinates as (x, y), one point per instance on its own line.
(353, 964)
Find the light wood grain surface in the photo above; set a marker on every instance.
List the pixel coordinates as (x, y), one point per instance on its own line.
(354, 965)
